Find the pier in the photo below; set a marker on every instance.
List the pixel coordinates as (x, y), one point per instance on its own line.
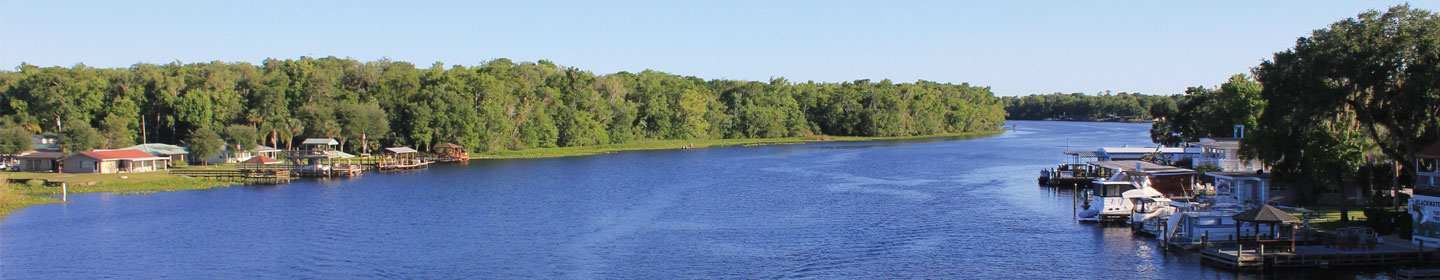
(1246, 258)
(244, 175)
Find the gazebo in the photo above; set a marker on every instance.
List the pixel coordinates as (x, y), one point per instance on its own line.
(1265, 214)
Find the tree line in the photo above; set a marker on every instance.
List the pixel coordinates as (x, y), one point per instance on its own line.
(497, 105)
(1079, 106)
(1337, 109)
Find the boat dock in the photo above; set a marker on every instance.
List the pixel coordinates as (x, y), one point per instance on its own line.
(1242, 258)
(249, 175)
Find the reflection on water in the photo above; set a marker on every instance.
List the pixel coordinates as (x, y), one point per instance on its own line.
(922, 208)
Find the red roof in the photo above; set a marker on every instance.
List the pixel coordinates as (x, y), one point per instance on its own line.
(1432, 152)
(261, 160)
(117, 154)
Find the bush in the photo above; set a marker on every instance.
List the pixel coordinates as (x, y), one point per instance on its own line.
(1380, 219)
(35, 182)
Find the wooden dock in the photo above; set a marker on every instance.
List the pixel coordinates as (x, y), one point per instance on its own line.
(249, 176)
(1245, 258)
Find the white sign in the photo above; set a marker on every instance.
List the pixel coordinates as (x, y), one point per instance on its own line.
(1425, 215)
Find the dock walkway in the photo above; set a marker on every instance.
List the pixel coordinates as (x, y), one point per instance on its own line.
(1309, 256)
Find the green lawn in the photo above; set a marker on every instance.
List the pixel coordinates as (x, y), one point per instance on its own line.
(20, 195)
(700, 143)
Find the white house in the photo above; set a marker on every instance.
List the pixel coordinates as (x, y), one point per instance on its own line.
(1224, 154)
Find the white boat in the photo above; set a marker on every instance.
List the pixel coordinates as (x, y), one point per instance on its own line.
(1114, 199)
(1151, 214)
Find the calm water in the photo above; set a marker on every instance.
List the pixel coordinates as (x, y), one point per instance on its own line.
(903, 209)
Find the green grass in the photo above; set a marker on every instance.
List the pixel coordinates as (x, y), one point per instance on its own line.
(17, 196)
(1332, 217)
(642, 145)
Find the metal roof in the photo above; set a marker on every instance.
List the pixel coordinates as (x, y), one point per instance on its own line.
(1145, 150)
(401, 150)
(1145, 166)
(1265, 214)
(118, 155)
(320, 141)
(43, 155)
(159, 149)
(1431, 152)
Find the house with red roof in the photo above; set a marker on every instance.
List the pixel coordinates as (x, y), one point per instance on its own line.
(113, 161)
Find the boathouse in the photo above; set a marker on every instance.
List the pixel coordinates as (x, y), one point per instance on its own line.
(449, 152)
(401, 158)
(1169, 180)
(113, 161)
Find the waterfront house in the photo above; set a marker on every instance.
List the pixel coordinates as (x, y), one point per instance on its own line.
(40, 161)
(175, 153)
(1223, 154)
(113, 161)
(1168, 180)
(47, 142)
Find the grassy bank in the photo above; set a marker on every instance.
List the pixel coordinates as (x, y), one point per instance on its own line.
(14, 196)
(642, 145)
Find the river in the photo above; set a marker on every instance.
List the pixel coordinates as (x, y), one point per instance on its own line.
(935, 208)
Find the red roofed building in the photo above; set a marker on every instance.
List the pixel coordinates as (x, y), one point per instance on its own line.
(113, 161)
(261, 160)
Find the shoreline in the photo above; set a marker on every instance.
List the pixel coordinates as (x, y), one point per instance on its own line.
(25, 194)
(651, 145)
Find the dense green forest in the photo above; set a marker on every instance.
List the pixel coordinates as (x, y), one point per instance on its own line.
(1079, 106)
(497, 105)
(1336, 109)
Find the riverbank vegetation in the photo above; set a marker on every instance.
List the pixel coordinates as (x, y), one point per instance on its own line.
(1335, 111)
(703, 143)
(1098, 107)
(494, 107)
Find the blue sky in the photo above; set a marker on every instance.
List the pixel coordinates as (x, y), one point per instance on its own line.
(1015, 47)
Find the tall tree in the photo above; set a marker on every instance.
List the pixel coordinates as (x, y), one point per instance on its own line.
(204, 143)
(79, 136)
(1377, 73)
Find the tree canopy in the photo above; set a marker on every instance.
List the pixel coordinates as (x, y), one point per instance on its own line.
(1369, 84)
(499, 104)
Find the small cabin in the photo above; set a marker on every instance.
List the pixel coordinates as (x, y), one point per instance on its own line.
(40, 161)
(113, 161)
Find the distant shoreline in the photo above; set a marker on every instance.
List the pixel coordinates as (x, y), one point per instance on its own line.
(650, 145)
